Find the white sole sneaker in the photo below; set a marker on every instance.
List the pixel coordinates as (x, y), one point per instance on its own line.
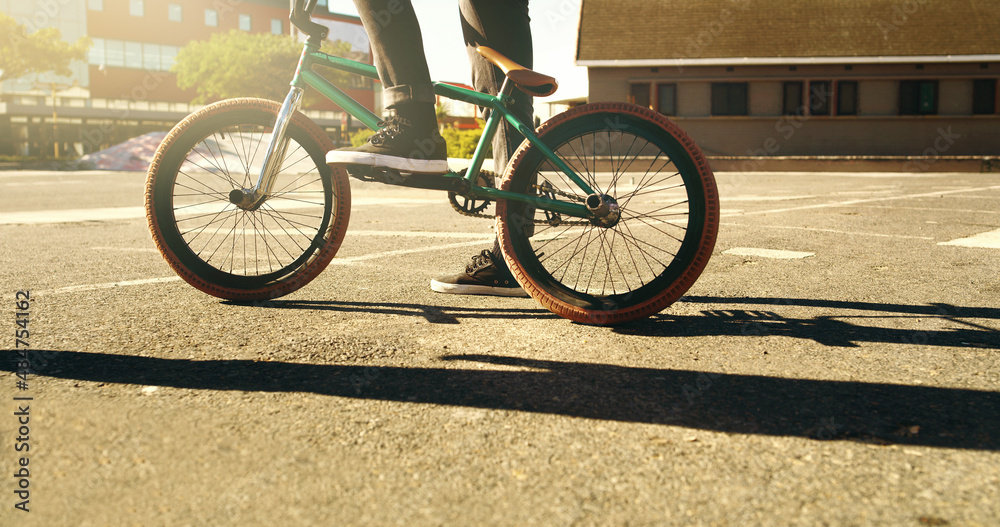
(468, 289)
(402, 164)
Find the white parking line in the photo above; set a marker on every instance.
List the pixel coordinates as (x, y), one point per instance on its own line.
(986, 240)
(351, 234)
(833, 231)
(481, 239)
(858, 201)
(936, 209)
(108, 285)
(353, 259)
(767, 198)
(127, 249)
(35, 217)
(768, 253)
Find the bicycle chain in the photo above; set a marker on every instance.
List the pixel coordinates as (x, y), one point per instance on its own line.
(491, 178)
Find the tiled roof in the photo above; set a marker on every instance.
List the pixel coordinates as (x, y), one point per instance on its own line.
(705, 29)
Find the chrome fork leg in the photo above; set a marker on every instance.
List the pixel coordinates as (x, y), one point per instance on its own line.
(276, 148)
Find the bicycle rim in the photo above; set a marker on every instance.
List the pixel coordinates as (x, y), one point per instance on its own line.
(651, 254)
(245, 248)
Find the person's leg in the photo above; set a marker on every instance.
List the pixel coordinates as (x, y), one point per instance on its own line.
(410, 141)
(397, 50)
(504, 26)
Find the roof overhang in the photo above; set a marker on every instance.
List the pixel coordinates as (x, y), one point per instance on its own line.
(785, 61)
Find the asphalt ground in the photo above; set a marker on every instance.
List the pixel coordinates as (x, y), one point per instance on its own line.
(836, 364)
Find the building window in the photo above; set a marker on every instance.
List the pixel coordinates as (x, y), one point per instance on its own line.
(984, 96)
(167, 56)
(847, 97)
(245, 22)
(95, 5)
(95, 55)
(174, 12)
(211, 17)
(820, 97)
(133, 55)
(639, 94)
(918, 97)
(729, 98)
(792, 98)
(114, 52)
(135, 7)
(276, 26)
(666, 99)
(138, 55)
(151, 57)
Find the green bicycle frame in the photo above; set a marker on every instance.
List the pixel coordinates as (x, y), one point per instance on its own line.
(305, 76)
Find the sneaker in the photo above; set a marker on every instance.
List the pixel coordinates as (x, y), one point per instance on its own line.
(398, 145)
(481, 277)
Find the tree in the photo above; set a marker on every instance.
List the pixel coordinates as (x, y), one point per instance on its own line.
(44, 50)
(242, 64)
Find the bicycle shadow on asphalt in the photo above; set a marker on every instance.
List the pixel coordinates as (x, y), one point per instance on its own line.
(432, 314)
(876, 413)
(829, 330)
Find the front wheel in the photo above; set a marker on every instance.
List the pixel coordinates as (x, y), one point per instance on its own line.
(236, 253)
(626, 266)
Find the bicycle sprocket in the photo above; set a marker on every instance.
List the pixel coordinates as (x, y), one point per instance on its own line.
(474, 206)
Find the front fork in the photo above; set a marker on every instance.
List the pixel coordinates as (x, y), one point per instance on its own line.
(249, 199)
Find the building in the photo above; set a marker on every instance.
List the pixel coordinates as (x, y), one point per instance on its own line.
(787, 78)
(125, 87)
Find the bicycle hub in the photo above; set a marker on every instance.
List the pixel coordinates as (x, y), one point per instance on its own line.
(604, 210)
(244, 199)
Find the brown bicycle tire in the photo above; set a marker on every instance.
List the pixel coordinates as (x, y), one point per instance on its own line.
(161, 223)
(560, 300)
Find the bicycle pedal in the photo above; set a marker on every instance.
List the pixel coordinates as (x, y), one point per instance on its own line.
(362, 172)
(389, 176)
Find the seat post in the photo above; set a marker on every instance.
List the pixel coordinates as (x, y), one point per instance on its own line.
(506, 88)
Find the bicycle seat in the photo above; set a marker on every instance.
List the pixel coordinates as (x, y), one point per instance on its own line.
(537, 84)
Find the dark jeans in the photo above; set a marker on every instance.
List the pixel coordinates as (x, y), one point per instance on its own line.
(398, 50)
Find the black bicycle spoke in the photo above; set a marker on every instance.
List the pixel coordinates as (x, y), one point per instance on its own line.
(295, 225)
(657, 229)
(289, 253)
(640, 242)
(198, 181)
(215, 217)
(282, 190)
(222, 167)
(258, 141)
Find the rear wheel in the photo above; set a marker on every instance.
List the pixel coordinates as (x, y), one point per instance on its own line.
(635, 262)
(222, 249)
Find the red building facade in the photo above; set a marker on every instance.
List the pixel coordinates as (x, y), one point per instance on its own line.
(126, 88)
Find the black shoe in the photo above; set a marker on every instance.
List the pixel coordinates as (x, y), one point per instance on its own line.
(481, 277)
(400, 146)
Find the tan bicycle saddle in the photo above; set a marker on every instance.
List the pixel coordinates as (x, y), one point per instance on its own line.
(537, 84)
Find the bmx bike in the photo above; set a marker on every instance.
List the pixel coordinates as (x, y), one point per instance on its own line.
(606, 213)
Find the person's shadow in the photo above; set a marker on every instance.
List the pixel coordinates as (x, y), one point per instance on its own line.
(845, 325)
(744, 404)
